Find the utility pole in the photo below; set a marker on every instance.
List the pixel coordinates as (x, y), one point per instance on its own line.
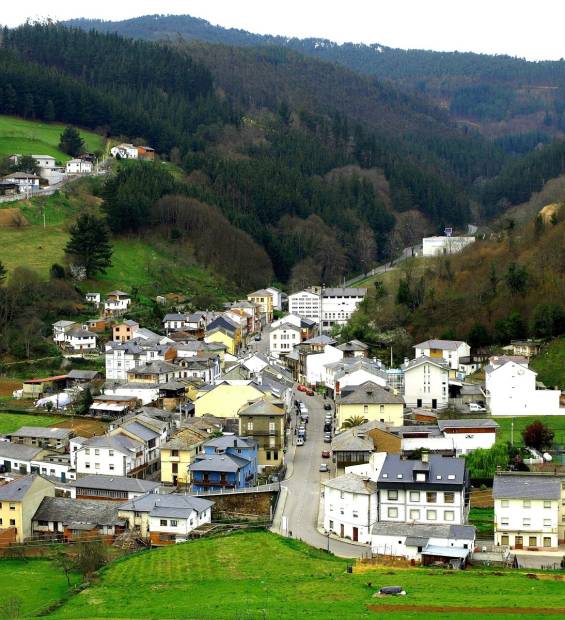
(512, 433)
(391, 360)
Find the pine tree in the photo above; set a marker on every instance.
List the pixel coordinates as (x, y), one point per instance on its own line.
(49, 111)
(89, 245)
(71, 142)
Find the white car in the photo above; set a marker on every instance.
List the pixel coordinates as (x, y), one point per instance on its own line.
(300, 441)
(476, 407)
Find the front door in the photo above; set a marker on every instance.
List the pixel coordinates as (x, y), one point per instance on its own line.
(519, 542)
(355, 534)
(419, 403)
(7, 466)
(342, 531)
(434, 403)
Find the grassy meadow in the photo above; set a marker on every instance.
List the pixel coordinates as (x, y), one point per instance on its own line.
(555, 423)
(10, 422)
(39, 138)
(550, 364)
(263, 576)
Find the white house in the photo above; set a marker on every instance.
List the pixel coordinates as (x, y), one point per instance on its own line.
(352, 371)
(92, 298)
(315, 371)
(121, 357)
(166, 518)
(426, 383)
(438, 246)
(78, 166)
(117, 302)
(60, 329)
(277, 297)
(80, 339)
(107, 455)
(451, 351)
(416, 541)
(305, 303)
(430, 491)
(350, 507)
(283, 338)
(526, 510)
(511, 389)
(124, 151)
(145, 392)
(25, 182)
(43, 161)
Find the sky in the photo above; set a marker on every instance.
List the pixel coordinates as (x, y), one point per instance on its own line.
(521, 28)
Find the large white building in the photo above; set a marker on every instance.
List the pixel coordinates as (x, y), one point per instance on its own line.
(450, 351)
(511, 389)
(106, 455)
(352, 371)
(527, 507)
(283, 338)
(430, 491)
(438, 246)
(350, 507)
(122, 357)
(315, 366)
(426, 383)
(330, 306)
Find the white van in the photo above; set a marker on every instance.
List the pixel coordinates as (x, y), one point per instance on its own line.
(476, 407)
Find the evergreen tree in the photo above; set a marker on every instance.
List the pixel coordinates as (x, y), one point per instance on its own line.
(89, 244)
(49, 111)
(10, 99)
(71, 142)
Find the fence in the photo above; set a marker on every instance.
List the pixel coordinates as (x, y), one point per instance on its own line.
(264, 488)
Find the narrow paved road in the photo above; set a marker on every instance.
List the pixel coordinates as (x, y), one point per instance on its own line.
(303, 485)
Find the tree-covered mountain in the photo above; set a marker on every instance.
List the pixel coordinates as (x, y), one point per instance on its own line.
(499, 94)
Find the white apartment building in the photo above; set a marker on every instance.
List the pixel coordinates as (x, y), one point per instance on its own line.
(121, 357)
(283, 338)
(352, 371)
(78, 166)
(331, 306)
(80, 340)
(350, 507)
(426, 383)
(316, 364)
(450, 351)
(430, 491)
(511, 389)
(107, 455)
(60, 329)
(527, 509)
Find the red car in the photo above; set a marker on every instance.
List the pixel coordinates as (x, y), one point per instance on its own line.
(309, 392)
(302, 388)
(325, 454)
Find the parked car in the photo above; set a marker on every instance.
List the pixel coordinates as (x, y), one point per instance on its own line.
(476, 407)
(304, 417)
(325, 454)
(327, 438)
(327, 407)
(257, 337)
(327, 427)
(302, 388)
(324, 467)
(310, 392)
(303, 409)
(300, 441)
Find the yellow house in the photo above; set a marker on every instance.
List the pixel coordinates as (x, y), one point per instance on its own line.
(225, 336)
(264, 299)
(19, 501)
(265, 422)
(225, 400)
(370, 401)
(178, 453)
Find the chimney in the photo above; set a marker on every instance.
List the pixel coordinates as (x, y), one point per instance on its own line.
(425, 457)
(235, 443)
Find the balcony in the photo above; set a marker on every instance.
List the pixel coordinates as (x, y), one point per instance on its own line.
(225, 484)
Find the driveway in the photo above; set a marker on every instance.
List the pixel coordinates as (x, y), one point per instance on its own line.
(303, 486)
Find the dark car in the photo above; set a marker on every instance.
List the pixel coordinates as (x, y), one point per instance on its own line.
(328, 427)
(327, 407)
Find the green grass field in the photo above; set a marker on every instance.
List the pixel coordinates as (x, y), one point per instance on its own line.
(12, 421)
(483, 520)
(550, 364)
(38, 138)
(555, 423)
(262, 576)
(27, 587)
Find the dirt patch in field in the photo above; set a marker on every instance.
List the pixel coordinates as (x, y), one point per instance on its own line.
(12, 218)
(84, 428)
(482, 499)
(544, 611)
(7, 386)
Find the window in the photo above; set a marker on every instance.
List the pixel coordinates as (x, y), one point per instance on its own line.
(449, 515)
(97, 452)
(546, 541)
(504, 521)
(504, 539)
(504, 503)
(527, 503)
(87, 450)
(392, 513)
(173, 523)
(392, 494)
(87, 465)
(355, 514)
(12, 506)
(110, 453)
(342, 495)
(250, 426)
(431, 497)
(449, 498)
(431, 515)
(547, 522)
(414, 515)
(365, 409)
(526, 522)
(547, 503)
(111, 467)
(532, 541)
(12, 522)
(163, 522)
(414, 496)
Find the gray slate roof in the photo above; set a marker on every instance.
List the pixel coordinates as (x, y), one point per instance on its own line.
(353, 345)
(121, 443)
(141, 431)
(171, 505)
(447, 345)
(323, 339)
(18, 451)
(219, 462)
(66, 510)
(511, 486)
(87, 375)
(425, 359)
(352, 483)
(422, 532)
(368, 393)
(48, 432)
(350, 442)
(114, 483)
(16, 490)
(402, 472)
(230, 441)
(467, 423)
(345, 292)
